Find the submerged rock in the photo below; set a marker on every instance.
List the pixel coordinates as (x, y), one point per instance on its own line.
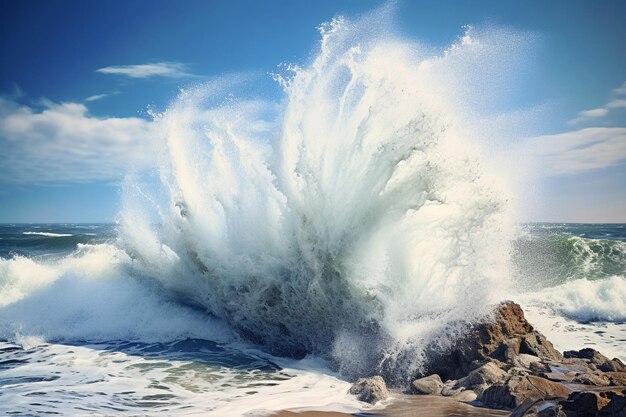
(370, 390)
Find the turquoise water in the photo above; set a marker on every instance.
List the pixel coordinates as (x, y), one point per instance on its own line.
(548, 254)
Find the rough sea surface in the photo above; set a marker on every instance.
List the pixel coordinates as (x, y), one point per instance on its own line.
(281, 247)
(76, 340)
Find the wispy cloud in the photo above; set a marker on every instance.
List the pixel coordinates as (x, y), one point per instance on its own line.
(616, 104)
(594, 113)
(621, 90)
(589, 115)
(96, 97)
(156, 69)
(579, 151)
(62, 142)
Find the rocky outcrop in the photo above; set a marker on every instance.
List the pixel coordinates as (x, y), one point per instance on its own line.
(370, 390)
(503, 337)
(503, 362)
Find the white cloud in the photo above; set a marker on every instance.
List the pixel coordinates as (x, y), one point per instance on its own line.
(578, 151)
(96, 97)
(64, 143)
(621, 90)
(616, 104)
(593, 113)
(587, 115)
(157, 69)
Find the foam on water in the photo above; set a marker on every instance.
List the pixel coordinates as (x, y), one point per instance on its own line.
(131, 379)
(357, 222)
(47, 234)
(585, 301)
(123, 346)
(581, 313)
(90, 296)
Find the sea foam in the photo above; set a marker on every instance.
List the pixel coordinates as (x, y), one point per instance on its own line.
(585, 300)
(89, 296)
(47, 234)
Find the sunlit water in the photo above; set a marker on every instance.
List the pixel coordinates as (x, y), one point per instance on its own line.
(348, 226)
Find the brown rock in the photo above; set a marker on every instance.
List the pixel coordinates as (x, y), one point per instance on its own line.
(483, 377)
(599, 380)
(536, 344)
(507, 350)
(577, 365)
(452, 389)
(595, 403)
(614, 365)
(596, 358)
(465, 396)
(538, 368)
(616, 378)
(617, 406)
(520, 388)
(525, 360)
(538, 408)
(587, 353)
(502, 336)
(430, 385)
(370, 390)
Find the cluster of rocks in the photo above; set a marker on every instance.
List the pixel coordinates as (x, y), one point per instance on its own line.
(503, 362)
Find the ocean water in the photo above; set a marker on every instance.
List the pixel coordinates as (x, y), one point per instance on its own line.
(571, 281)
(78, 337)
(281, 248)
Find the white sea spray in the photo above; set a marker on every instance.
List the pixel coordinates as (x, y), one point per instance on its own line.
(359, 220)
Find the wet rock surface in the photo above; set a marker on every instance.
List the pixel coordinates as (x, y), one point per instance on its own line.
(502, 337)
(517, 389)
(503, 362)
(429, 385)
(370, 390)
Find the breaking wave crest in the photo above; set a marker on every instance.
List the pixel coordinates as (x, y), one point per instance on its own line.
(89, 296)
(48, 234)
(356, 219)
(586, 301)
(557, 258)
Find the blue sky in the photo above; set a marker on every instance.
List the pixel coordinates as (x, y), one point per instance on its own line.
(78, 77)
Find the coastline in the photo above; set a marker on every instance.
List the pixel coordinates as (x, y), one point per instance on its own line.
(507, 367)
